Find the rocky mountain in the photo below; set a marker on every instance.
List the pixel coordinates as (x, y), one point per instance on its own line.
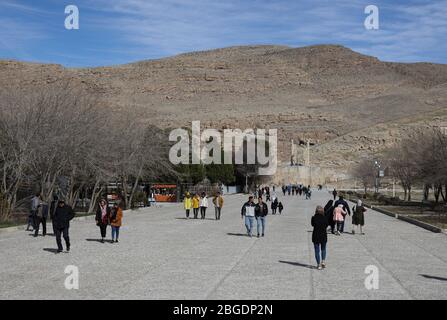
(349, 105)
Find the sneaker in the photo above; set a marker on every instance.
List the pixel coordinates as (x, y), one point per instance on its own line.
(258, 235)
(323, 265)
(353, 231)
(113, 241)
(262, 234)
(68, 249)
(102, 240)
(319, 267)
(116, 241)
(59, 251)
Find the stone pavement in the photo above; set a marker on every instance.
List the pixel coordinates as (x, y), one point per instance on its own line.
(163, 256)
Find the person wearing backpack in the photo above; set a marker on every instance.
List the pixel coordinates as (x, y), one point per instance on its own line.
(62, 217)
(116, 218)
(102, 218)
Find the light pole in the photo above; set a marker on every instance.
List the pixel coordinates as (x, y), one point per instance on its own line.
(376, 183)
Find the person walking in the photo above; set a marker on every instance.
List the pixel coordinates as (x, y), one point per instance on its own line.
(195, 205)
(187, 204)
(328, 213)
(62, 217)
(203, 205)
(53, 207)
(274, 205)
(346, 209)
(41, 218)
(35, 201)
(261, 211)
(116, 220)
(280, 208)
(248, 212)
(218, 202)
(358, 216)
(339, 218)
(334, 193)
(319, 236)
(102, 218)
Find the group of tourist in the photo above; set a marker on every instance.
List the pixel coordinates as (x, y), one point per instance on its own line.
(252, 211)
(297, 189)
(198, 203)
(334, 215)
(105, 216)
(61, 214)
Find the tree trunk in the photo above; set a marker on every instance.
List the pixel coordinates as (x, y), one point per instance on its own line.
(95, 194)
(134, 188)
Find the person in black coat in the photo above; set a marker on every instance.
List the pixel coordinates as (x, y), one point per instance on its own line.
(329, 214)
(319, 236)
(346, 208)
(103, 218)
(274, 205)
(62, 217)
(53, 207)
(261, 211)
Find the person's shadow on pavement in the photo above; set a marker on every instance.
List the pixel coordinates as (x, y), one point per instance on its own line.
(98, 240)
(298, 264)
(237, 234)
(51, 250)
(433, 277)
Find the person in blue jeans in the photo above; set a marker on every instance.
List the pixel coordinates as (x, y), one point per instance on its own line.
(319, 236)
(248, 212)
(261, 212)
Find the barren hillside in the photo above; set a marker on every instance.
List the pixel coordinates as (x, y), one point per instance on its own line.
(348, 104)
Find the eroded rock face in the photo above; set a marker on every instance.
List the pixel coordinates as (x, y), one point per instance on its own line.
(347, 104)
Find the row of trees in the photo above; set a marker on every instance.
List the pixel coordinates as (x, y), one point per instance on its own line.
(418, 160)
(61, 139)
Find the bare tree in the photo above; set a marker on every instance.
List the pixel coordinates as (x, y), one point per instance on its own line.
(366, 173)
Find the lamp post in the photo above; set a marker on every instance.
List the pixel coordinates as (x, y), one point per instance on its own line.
(376, 183)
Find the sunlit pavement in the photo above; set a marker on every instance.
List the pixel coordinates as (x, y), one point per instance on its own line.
(163, 256)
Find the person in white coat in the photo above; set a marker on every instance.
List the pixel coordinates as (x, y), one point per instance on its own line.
(203, 205)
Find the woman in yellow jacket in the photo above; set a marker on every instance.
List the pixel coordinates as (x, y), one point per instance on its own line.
(187, 204)
(195, 205)
(116, 218)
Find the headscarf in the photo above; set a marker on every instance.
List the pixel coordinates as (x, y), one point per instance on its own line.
(359, 203)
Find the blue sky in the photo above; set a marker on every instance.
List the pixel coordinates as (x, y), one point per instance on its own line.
(121, 31)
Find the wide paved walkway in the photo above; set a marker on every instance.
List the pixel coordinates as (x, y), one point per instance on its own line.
(163, 256)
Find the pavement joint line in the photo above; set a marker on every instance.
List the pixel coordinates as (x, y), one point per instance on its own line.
(229, 272)
(410, 239)
(234, 265)
(420, 247)
(381, 264)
